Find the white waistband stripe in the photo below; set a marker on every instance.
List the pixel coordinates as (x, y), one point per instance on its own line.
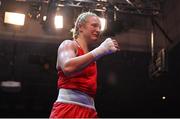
(75, 97)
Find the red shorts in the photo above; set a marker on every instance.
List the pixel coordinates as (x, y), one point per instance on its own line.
(65, 110)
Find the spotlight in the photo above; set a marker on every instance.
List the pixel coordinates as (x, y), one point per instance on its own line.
(58, 21)
(103, 24)
(14, 18)
(11, 86)
(44, 18)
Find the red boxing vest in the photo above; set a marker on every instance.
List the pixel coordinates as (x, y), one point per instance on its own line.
(84, 80)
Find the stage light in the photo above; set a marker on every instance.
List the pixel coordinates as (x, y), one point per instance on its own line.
(163, 97)
(44, 18)
(11, 86)
(103, 24)
(14, 18)
(58, 21)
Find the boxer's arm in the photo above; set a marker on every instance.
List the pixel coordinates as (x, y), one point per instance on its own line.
(68, 61)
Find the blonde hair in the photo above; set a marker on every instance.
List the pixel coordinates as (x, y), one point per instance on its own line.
(81, 19)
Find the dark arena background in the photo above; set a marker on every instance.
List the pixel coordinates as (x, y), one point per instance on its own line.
(141, 80)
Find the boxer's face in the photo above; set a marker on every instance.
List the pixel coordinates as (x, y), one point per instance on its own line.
(91, 28)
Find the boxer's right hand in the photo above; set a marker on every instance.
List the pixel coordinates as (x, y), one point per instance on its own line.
(107, 47)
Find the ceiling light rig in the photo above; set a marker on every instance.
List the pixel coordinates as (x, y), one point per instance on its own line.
(109, 10)
(35, 10)
(145, 7)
